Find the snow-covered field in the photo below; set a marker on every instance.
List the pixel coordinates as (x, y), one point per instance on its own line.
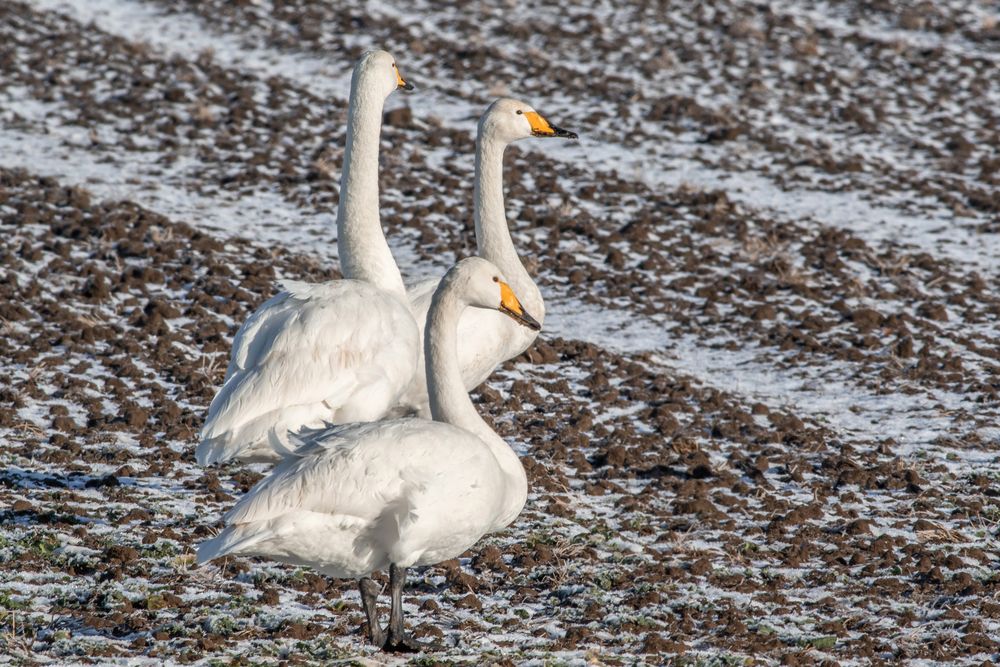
(760, 424)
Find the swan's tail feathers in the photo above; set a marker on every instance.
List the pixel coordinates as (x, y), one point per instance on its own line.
(218, 441)
(232, 540)
(249, 444)
(211, 450)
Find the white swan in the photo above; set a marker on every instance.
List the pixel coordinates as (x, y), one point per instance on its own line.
(397, 493)
(486, 338)
(332, 352)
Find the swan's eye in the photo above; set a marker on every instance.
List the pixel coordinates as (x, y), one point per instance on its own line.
(519, 112)
(495, 279)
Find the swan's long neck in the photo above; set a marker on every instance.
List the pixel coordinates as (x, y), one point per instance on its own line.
(450, 402)
(492, 233)
(364, 252)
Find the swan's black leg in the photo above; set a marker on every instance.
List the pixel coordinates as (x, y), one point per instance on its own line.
(369, 596)
(399, 641)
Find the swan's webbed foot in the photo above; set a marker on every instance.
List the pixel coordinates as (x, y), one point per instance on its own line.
(406, 643)
(369, 596)
(400, 641)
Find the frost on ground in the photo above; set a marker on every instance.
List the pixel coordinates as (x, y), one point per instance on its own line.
(761, 424)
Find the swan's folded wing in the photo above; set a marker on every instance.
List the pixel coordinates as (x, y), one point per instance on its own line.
(308, 441)
(258, 332)
(314, 344)
(275, 317)
(359, 471)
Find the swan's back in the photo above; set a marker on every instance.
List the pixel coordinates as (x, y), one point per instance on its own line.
(355, 498)
(357, 468)
(336, 351)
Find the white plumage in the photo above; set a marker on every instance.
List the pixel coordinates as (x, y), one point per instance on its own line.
(487, 338)
(247, 421)
(332, 352)
(361, 497)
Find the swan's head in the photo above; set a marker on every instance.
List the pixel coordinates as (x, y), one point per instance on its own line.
(509, 120)
(378, 69)
(484, 286)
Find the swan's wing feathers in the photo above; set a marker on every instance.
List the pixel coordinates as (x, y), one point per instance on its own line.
(279, 314)
(307, 441)
(325, 472)
(255, 333)
(357, 472)
(313, 344)
(299, 289)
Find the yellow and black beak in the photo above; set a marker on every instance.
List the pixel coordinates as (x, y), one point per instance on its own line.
(511, 307)
(401, 82)
(541, 128)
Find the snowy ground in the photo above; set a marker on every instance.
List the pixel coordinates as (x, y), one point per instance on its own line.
(761, 423)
